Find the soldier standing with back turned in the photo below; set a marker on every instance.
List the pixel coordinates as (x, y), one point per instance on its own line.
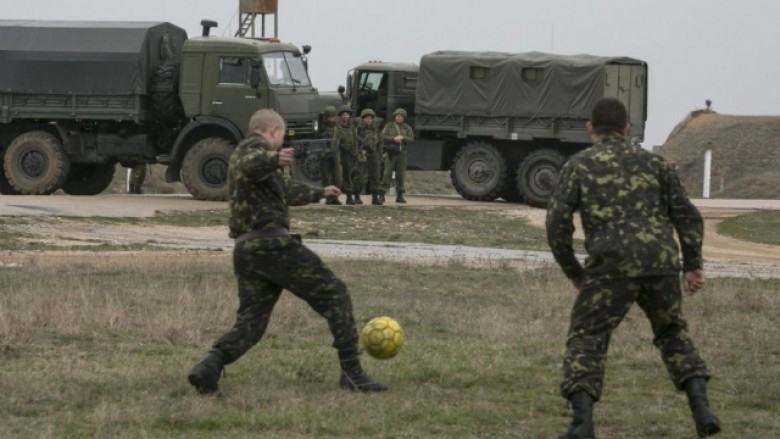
(396, 137)
(631, 203)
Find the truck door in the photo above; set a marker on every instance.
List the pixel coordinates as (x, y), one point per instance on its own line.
(233, 97)
(372, 88)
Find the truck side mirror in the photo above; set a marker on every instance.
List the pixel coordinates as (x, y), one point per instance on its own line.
(254, 78)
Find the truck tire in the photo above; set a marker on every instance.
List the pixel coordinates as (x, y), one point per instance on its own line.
(35, 163)
(307, 169)
(537, 175)
(5, 186)
(89, 178)
(479, 172)
(165, 93)
(204, 170)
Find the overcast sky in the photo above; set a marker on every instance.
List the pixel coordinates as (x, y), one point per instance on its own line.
(723, 50)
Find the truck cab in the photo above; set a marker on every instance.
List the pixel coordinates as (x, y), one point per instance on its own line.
(222, 82)
(383, 87)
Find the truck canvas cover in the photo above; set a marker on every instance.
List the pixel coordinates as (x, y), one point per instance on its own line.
(494, 84)
(84, 57)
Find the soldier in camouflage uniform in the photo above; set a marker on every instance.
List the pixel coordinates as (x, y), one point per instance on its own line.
(346, 142)
(268, 259)
(396, 137)
(330, 160)
(368, 138)
(631, 203)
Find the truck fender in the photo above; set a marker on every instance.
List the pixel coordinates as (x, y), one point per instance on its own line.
(198, 128)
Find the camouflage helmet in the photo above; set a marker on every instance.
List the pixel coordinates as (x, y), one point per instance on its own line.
(345, 109)
(330, 110)
(400, 111)
(367, 112)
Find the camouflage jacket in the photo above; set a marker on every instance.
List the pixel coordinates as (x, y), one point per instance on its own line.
(393, 129)
(631, 202)
(345, 138)
(258, 190)
(369, 136)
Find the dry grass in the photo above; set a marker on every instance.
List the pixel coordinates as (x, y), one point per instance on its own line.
(99, 346)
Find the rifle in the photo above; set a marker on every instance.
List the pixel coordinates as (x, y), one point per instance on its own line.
(304, 147)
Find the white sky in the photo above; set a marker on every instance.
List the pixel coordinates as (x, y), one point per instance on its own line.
(723, 50)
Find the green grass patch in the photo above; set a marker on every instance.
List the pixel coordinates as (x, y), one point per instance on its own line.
(761, 227)
(100, 345)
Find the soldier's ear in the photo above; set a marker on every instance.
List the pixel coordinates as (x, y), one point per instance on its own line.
(589, 128)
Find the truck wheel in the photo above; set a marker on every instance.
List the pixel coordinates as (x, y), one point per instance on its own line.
(307, 169)
(89, 178)
(205, 169)
(537, 175)
(35, 163)
(479, 172)
(165, 96)
(5, 186)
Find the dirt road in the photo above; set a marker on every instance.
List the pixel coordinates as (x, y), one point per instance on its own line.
(721, 253)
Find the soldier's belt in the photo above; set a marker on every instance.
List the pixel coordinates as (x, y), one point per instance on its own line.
(262, 233)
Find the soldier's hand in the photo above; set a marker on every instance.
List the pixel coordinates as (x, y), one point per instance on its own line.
(332, 192)
(286, 157)
(693, 281)
(577, 282)
(398, 139)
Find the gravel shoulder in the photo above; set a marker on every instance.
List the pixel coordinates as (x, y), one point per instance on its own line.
(724, 255)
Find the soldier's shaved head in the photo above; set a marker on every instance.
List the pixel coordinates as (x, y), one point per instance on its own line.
(264, 120)
(609, 115)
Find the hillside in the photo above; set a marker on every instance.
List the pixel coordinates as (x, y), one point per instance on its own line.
(745, 154)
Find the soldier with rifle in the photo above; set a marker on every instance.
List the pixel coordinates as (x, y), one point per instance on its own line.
(345, 140)
(396, 137)
(368, 141)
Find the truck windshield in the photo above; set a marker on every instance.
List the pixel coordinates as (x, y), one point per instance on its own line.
(285, 69)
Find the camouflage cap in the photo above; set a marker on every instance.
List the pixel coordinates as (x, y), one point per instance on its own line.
(367, 112)
(345, 109)
(400, 111)
(330, 110)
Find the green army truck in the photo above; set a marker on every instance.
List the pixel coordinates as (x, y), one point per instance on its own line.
(78, 98)
(501, 123)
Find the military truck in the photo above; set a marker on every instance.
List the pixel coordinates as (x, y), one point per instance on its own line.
(501, 123)
(76, 98)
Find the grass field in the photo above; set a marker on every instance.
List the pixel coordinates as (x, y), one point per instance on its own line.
(99, 345)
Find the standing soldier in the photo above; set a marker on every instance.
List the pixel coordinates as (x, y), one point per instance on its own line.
(330, 160)
(345, 140)
(396, 137)
(368, 137)
(631, 203)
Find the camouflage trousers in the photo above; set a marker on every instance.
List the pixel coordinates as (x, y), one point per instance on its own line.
(138, 174)
(330, 169)
(600, 307)
(368, 174)
(395, 162)
(263, 268)
(347, 172)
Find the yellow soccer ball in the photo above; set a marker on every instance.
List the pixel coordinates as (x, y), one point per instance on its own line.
(382, 338)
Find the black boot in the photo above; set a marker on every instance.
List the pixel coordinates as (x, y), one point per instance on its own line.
(375, 199)
(350, 201)
(399, 196)
(354, 378)
(204, 376)
(382, 196)
(582, 420)
(357, 198)
(707, 424)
